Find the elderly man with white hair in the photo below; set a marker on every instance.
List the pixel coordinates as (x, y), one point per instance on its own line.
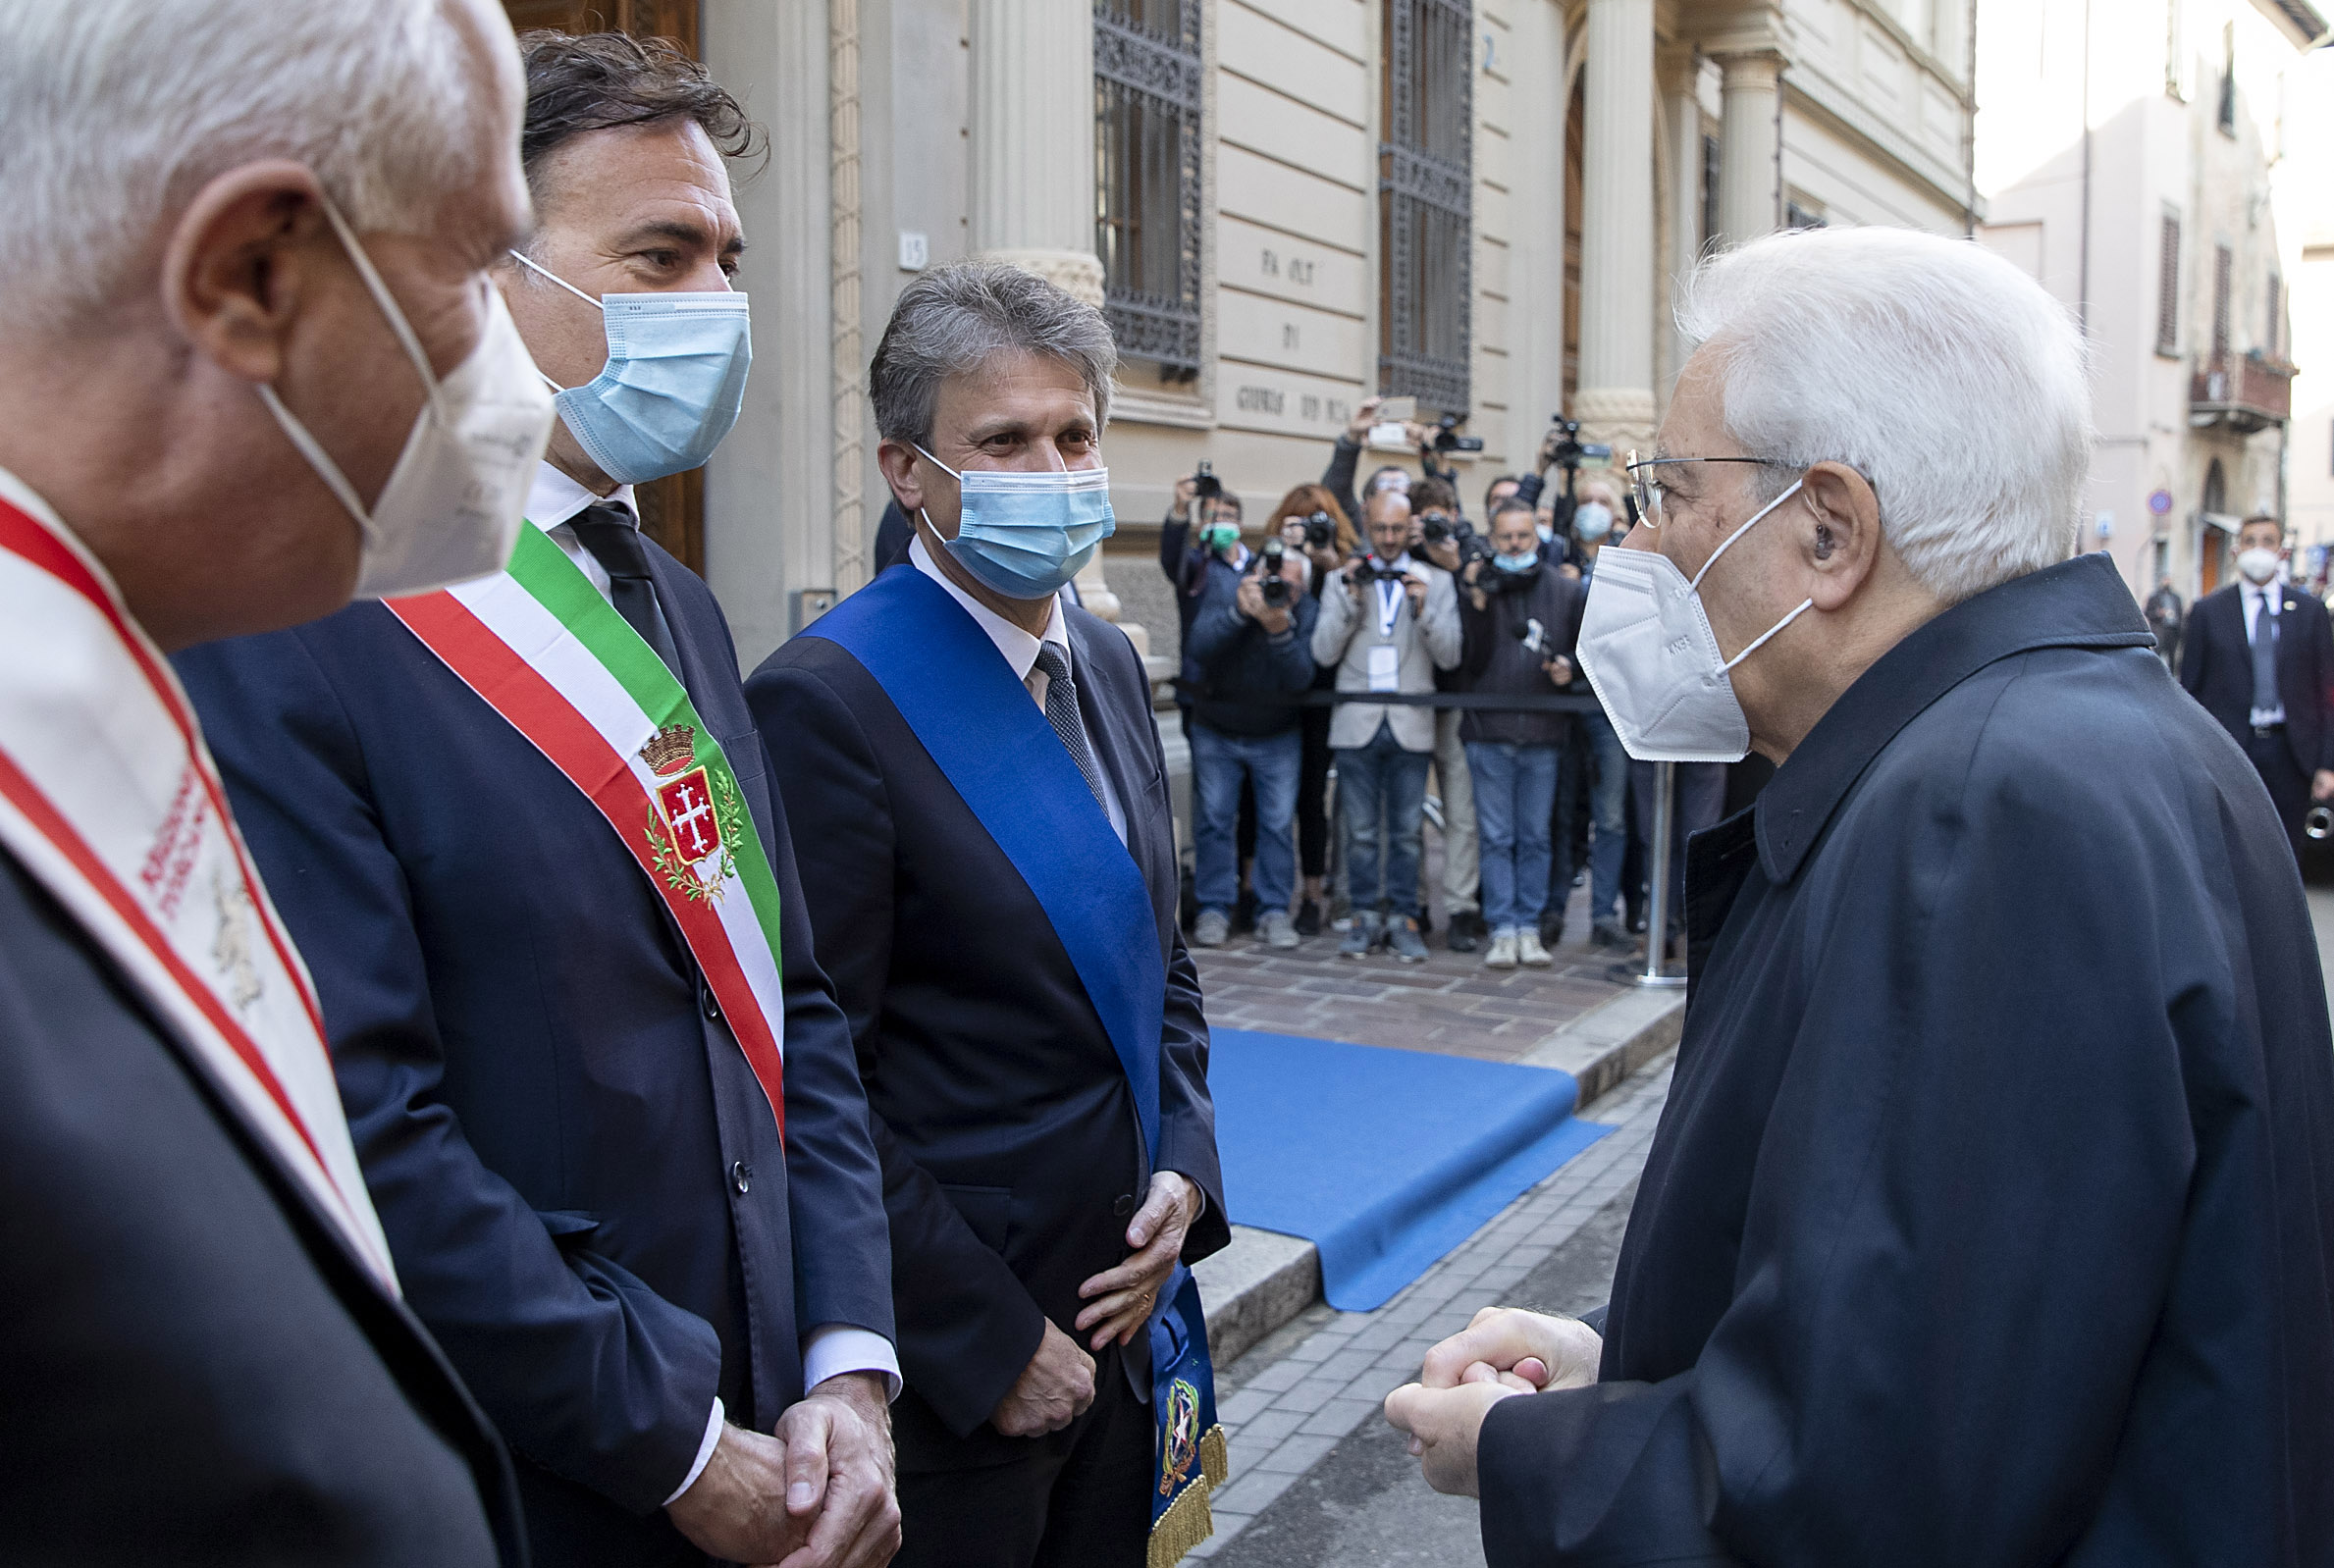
(1991, 1220)
(249, 364)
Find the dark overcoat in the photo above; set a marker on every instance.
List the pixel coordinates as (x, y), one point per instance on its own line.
(1991, 1219)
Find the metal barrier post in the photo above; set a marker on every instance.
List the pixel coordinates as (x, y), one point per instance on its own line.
(1656, 923)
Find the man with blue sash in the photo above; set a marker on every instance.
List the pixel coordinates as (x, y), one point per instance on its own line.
(979, 806)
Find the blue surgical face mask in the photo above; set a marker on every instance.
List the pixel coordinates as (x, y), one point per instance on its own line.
(1592, 520)
(675, 381)
(1517, 564)
(1547, 534)
(1026, 535)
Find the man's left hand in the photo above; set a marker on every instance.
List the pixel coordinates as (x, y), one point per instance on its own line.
(1119, 1300)
(2321, 785)
(1445, 1423)
(839, 1468)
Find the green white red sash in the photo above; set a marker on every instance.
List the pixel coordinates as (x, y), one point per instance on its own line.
(548, 653)
(110, 799)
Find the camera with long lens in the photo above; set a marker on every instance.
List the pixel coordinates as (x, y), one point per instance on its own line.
(1276, 587)
(1447, 438)
(1321, 531)
(1571, 452)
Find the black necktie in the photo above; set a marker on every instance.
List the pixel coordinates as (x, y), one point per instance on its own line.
(1061, 712)
(609, 532)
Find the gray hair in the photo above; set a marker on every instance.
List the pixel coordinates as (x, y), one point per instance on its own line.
(1936, 369)
(953, 319)
(114, 112)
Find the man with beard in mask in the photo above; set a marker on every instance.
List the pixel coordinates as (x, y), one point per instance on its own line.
(239, 236)
(979, 805)
(525, 834)
(1988, 1219)
(2260, 656)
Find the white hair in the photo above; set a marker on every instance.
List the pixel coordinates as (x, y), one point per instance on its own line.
(1940, 372)
(115, 113)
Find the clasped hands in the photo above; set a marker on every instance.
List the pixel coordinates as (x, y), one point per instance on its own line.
(1504, 1352)
(1058, 1383)
(818, 1493)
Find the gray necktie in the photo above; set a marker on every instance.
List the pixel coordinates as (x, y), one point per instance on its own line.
(2265, 658)
(1061, 712)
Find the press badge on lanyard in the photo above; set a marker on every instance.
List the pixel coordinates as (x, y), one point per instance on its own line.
(1384, 660)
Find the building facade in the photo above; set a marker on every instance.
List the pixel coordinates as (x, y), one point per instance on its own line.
(2138, 159)
(1284, 205)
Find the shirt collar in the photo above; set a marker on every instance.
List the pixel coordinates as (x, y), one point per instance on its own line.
(2075, 603)
(1019, 647)
(554, 497)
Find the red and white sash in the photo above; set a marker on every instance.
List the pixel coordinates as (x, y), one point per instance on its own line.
(110, 799)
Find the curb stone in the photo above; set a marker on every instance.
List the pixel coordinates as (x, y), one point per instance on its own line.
(1264, 1280)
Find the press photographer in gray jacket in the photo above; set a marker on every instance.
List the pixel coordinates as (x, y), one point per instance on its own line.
(1387, 622)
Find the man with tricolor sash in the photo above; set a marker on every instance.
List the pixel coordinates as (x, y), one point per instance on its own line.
(525, 830)
(229, 244)
(979, 810)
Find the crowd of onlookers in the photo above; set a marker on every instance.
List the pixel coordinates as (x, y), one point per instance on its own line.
(1391, 594)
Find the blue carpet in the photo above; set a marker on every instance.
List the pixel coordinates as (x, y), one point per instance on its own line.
(1385, 1160)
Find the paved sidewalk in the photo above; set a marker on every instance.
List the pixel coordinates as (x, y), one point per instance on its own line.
(1449, 1004)
(1288, 1403)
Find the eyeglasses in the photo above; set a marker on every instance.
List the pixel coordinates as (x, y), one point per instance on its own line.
(1646, 493)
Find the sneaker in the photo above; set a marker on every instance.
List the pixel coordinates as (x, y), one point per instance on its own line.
(1503, 952)
(1530, 951)
(1466, 931)
(1277, 929)
(1308, 918)
(1608, 933)
(1361, 934)
(1404, 940)
(1212, 928)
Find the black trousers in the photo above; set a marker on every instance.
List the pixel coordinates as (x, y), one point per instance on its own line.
(1313, 795)
(2288, 785)
(1078, 1498)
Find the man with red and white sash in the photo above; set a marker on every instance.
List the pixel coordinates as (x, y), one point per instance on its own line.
(525, 832)
(218, 297)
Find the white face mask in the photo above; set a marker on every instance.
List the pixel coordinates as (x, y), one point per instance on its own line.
(454, 505)
(1646, 643)
(2257, 564)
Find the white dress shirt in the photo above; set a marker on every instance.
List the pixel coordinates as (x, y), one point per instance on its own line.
(2262, 600)
(1020, 653)
(832, 1348)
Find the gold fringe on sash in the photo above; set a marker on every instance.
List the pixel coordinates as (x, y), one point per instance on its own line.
(1188, 1520)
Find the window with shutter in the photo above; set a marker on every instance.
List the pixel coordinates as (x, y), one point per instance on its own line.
(1148, 71)
(2167, 287)
(1425, 202)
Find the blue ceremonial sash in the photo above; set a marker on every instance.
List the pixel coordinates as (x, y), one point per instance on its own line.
(959, 696)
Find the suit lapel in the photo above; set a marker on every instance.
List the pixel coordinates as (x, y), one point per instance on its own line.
(1125, 759)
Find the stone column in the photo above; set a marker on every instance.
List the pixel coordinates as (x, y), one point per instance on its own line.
(1682, 210)
(1033, 140)
(1617, 267)
(1750, 145)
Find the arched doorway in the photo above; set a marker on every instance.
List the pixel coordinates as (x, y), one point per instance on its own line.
(2213, 538)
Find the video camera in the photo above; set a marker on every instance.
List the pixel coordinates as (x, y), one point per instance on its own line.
(1446, 439)
(1572, 452)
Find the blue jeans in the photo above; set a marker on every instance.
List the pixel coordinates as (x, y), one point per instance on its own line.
(1608, 816)
(1272, 762)
(1514, 799)
(1368, 777)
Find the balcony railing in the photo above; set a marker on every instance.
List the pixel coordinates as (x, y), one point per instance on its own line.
(2246, 394)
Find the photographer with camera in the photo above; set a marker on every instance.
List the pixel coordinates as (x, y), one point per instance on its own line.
(1345, 459)
(1201, 522)
(1519, 618)
(1562, 449)
(1248, 650)
(1447, 540)
(1311, 523)
(1387, 622)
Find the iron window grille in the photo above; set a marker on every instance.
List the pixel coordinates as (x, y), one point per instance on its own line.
(1426, 203)
(1147, 76)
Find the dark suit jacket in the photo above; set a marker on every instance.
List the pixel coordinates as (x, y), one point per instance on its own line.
(1011, 1155)
(577, 1168)
(194, 1367)
(2216, 667)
